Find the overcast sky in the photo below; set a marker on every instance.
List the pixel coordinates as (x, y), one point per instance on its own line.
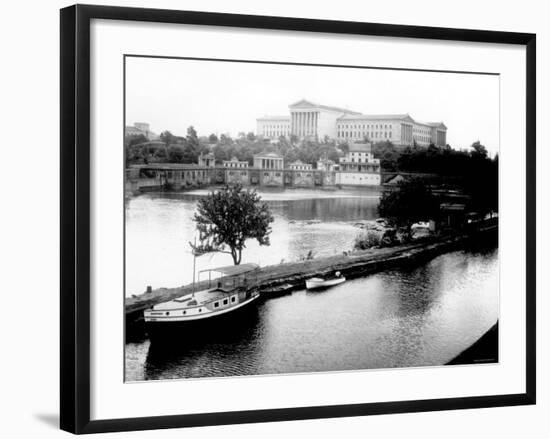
(227, 97)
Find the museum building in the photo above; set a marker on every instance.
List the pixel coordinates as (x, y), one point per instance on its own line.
(315, 121)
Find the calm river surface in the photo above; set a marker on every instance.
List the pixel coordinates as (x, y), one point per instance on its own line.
(159, 228)
(421, 316)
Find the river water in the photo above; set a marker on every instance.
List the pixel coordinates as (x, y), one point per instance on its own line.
(421, 316)
(159, 228)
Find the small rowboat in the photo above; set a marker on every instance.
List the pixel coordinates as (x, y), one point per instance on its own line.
(319, 282)
(277, 291)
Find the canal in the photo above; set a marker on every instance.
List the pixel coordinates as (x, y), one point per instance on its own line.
(420, 316)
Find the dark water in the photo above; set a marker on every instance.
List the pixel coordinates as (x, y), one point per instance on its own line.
(421, 316)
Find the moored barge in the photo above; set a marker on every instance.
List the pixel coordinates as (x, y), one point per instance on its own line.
(235, 290)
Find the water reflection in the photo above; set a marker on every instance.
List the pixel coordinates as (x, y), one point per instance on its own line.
(419, 316)
(415, 316)
(159, 228)
(220, 350)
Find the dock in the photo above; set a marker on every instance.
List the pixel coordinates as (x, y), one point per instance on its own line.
(351, 265)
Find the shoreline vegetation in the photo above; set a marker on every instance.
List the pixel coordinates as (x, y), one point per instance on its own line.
(351, 264)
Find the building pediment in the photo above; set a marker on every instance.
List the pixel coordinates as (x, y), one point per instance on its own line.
(437, 125)
(303, 103)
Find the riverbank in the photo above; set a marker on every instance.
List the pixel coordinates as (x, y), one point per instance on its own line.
(484, 350)
(353, 264)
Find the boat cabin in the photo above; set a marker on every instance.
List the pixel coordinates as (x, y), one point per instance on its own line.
(236, 287)
(232, 276)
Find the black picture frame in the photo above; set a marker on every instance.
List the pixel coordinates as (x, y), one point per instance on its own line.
(75, 217)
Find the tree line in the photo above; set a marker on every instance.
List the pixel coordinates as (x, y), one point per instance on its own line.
(471, 169)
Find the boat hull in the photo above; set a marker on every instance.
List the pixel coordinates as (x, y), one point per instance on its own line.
(164, 330)
(314, 284)
(278, 291)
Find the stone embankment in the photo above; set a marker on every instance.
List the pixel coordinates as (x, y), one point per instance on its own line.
(352, 264)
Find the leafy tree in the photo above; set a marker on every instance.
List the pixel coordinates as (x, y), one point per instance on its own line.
(135, 140)
(481, 182)
(344, 147)
(479, 150)
(192, 138)
(410, 203)
(160, 154)
(225, 139)
(167, 137)
(387, 153)
(251, 137)
(228, 218)
(175, 154)
(212, 138)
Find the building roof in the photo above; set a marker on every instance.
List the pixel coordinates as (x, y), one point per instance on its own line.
(376, 117)
(235, 160)
(270, 155)
(305, 103)
(277, 118)
(233, 270)
(360, 147)
(166, 166)
(406, 117)
(300, 163)
(436, 124)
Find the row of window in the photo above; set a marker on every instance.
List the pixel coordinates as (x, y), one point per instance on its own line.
(363, 134)
(224, 302)
(276, 130)
(364, 160)
(235, 164)
(361, 178)
(365, 126)
(194, 174)
(275, 133)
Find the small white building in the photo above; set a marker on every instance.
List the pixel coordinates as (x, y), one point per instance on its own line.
(298, 165)
(140, 128)
(325, 165)
(235, 163)
(271, 166)
(207, 160)
(268, 160)
(359, 167)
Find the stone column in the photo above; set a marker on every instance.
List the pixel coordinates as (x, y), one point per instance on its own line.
(315, 124)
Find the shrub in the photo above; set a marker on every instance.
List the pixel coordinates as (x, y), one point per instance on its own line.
(367, 240)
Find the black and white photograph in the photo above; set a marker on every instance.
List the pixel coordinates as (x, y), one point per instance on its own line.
(275, 219)
(286, 218)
